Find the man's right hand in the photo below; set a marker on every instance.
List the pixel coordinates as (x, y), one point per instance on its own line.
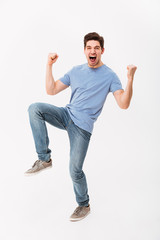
(52, 58)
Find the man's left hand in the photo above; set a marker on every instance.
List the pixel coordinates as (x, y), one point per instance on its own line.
(131, 71)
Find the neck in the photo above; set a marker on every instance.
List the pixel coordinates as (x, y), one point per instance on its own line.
(97, 65)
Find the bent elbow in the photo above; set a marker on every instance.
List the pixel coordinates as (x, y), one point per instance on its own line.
(125, 106)
(50, 93)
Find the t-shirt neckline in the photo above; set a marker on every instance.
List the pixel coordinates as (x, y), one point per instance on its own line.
(94, 69)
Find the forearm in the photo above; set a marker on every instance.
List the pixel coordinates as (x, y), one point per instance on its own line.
(49, 80)
(127, 94)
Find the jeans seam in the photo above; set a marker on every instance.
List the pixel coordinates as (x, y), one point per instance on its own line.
(69, 124)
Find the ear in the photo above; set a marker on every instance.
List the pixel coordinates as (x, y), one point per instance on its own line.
(102, 50)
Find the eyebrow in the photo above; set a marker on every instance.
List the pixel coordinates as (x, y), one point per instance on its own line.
(94, 47)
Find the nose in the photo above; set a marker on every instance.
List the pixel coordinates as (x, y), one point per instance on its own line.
(93, 51)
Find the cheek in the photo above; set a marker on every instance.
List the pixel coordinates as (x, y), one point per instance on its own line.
(99, 54)
(86, 54)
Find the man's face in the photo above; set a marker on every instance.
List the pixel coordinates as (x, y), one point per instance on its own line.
(93, 52)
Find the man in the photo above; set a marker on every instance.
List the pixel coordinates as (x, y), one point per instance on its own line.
(90, 84)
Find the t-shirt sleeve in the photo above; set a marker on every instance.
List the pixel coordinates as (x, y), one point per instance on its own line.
(66, 79)
(115, 83)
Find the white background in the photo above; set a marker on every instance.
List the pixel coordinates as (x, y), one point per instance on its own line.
(122, 164)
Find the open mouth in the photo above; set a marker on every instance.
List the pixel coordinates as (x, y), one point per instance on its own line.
(93, 59)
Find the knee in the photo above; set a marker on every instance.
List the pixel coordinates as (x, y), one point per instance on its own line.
(32, 109)
(75, 173)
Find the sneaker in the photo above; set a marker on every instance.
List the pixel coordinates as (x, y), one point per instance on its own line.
(38, 166)
(80, 213)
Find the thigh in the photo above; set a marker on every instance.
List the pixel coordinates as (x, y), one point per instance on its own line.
(79, 142)
(56, 116)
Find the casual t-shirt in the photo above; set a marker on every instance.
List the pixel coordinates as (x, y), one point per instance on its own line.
(89, 89)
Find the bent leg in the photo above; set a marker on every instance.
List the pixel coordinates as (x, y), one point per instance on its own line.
(38, 114)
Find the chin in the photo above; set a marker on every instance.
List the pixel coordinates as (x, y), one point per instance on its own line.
(93, 64)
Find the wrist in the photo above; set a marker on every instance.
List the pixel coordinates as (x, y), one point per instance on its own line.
(130, 79)
(49, 65)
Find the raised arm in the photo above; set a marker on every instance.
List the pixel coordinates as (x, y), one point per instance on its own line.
(122, 97)
(53, 87)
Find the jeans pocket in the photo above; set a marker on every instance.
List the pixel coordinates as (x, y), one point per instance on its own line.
(85, 134)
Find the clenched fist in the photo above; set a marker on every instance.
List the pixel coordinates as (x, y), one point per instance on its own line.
(52, 58)
(131, 71)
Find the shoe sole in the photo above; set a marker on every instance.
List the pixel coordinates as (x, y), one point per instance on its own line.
(78, 219)
(35, 173)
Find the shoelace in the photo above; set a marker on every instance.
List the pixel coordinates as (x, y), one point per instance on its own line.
(78, 209)
(36, 163)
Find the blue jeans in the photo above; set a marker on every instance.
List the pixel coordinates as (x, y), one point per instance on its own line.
(79, 141)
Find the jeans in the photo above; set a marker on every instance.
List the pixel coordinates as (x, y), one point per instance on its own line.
(78, 138)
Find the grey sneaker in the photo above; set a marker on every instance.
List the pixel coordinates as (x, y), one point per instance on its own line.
(38, 166)
(80, 213)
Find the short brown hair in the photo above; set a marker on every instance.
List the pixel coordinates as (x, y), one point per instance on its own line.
(94, 36)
